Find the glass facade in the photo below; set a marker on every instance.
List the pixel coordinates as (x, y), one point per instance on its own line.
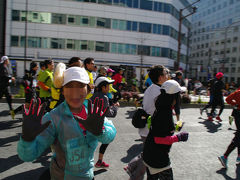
(96, 22)
(146, 5)
(97, 46)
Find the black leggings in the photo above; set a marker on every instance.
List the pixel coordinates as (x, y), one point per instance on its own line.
(217, 102)
(103, 148)
(164, 175)
(236, 140)
(6, 91)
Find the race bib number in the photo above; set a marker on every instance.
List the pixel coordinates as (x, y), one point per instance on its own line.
(75, 152)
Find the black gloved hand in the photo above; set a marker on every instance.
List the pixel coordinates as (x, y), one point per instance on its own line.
(183, 136)
(95, 119)
(32, 120)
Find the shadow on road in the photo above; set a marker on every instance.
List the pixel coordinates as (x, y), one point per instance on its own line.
(28, 175)
(132, 152)
(130, 114)
(99, 171)
(223, 172)
(4, 142)
(211, 126)
(10, 124)
(4, 113)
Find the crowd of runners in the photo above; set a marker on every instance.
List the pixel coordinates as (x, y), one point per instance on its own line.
(68, 109)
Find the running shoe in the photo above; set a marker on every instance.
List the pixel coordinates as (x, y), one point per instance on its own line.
(101, 165)
(12, 114)
(223, 160)
(238, 160)
(219, 119)
(210, 118)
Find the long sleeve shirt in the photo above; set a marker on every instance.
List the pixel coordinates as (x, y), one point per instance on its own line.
(234, 99)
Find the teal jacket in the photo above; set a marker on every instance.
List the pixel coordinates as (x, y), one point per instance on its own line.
(78, 146)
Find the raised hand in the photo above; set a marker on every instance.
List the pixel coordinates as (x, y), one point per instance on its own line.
(32, 120)
(95, 119)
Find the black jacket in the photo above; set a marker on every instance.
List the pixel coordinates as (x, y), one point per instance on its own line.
(5, 76)
(162, 125)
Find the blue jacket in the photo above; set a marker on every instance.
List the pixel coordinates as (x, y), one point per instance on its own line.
(78, 148)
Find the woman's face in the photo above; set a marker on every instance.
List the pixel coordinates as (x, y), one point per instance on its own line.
(75, 94)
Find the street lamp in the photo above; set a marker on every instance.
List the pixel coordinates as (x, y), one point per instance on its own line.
(181, 17)
(26, 41)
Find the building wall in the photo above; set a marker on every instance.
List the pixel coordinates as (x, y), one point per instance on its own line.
(68, 31)
(213, 19)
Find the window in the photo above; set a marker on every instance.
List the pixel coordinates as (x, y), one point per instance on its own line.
(166, 8)
(143, 50)
(235, 39)
(146, 4)
(58, 18)
(234, 49)
(35, 15)
(165, 30)
(103, 22)
(233, 69)
(34, 42)
(135, 3)
(113, 47)
(71, 19)
(134, 26)
(234, 59)
(15, 15)
(105, 1)
(70, 44)
(102, 46)
(165, 52)
(57, 43)
(129, 3)
(156, 29)
(14, 41)
(114, 24)
(83, 45)
(155, 51)
(145, 27)
(122, 25)
(84, 21)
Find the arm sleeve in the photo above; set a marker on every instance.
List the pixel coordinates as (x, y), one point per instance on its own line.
(109, 132)
(29, 151)
(168, 140)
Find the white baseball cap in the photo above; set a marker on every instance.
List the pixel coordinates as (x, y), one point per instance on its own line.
(172, 87)
(75, 74)
(4, 58)
(101, 79)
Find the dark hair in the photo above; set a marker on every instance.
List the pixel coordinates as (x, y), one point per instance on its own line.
(155, 72)
(42, 64)
(47, 62)
(88, 61)
(178, 73)
(99, 87)
(73, 60)
(33, 65)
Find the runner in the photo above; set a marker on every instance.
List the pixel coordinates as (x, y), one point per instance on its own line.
(160, 138)
(234, 100)
(102, 85)
(5, 79)
(77, 129)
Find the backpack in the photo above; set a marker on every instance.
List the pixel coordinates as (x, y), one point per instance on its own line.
(139, 119)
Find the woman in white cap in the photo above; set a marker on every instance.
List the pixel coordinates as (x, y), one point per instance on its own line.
(161, 134)
(77, 128)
